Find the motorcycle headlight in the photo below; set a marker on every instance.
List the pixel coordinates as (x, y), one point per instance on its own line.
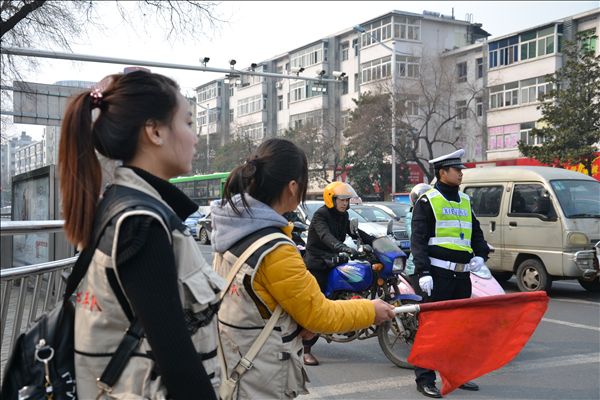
(398, 264)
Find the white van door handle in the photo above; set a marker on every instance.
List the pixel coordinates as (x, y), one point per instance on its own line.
(512, 223)
(492, 226)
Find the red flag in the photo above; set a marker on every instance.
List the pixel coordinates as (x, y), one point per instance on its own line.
(465, 339)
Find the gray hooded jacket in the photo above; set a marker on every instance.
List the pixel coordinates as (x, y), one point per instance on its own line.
(228, 227)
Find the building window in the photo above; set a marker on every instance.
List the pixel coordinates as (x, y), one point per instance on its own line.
(345, 119)
(311, 118)
(231, 115)
(253, 131)
(412, 105)
(345, 48)
(589, 40)
(376, 69)
(504, 95)
(376, 32)
(461, 70)
(297, 92)
(279, 103)
(504, 52)
(479, 69)
(207, 93)
(407, 28)
(528, 45)
(532, 89)
(355, 47)
(345, 86)
(545, 41)
(407, 67)
(231, 90)
(313, 55)
(250, 105)
(356, 83)
(461, 109)
(479, 106)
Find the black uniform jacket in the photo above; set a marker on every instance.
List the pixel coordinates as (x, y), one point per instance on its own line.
(328, 227)
(423, 228)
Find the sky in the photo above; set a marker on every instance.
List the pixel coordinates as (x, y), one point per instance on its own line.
(259, 30)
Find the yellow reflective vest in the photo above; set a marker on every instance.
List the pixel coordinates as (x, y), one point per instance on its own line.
(453, 226)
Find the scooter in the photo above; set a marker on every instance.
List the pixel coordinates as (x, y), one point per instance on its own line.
(373, 273)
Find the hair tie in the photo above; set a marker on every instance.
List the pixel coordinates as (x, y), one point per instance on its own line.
(249, 168)
(96, 96)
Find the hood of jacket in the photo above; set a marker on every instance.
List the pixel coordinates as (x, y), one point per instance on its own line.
(228, 227)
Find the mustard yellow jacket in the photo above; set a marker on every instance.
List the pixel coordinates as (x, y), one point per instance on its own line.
(282, 278)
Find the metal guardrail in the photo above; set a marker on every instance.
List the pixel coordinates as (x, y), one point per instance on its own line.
(31, 290)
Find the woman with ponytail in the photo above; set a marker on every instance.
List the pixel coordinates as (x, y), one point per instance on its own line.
(146, 268)
(273, 282)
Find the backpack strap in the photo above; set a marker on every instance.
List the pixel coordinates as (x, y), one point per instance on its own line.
(245, 364)
(116, 200)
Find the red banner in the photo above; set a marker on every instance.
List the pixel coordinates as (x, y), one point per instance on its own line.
(465, 339)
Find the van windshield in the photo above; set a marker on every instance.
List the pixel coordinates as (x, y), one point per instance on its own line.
(578, 198)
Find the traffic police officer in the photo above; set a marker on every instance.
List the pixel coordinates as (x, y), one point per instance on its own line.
(446, 243)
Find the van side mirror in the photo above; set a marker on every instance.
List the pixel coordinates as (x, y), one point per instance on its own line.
(354, 226)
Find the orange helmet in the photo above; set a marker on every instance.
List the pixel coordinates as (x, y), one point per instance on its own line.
(341, 190)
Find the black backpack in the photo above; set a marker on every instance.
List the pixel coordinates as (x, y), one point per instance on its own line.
(51, 337)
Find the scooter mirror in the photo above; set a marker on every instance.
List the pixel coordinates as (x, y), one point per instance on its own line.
(354, 226)
(390, 227)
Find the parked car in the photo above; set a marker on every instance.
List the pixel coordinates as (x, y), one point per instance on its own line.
(204, 229)
(192, 221)
(398, 210)
(379, 216)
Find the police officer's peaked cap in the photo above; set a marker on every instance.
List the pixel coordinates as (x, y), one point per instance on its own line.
(449, 160)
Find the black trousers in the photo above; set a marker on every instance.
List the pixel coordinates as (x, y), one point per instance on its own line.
(447, 285)
(322, 276)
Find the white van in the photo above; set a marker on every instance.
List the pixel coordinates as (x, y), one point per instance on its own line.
(542, 221)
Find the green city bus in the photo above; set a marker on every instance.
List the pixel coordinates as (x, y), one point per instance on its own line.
(202, 189)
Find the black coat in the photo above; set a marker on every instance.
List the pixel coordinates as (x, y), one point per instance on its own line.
(328, 228)
(423, 228)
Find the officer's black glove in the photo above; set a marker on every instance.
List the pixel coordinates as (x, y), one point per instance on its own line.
(342, 248)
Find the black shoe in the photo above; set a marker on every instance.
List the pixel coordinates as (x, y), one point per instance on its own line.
(472, 386)
(429, 390)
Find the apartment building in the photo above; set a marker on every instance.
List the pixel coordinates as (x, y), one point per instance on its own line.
(494, 83)
(29, 157)
(9, 163)
(258, 107)
(516, 66)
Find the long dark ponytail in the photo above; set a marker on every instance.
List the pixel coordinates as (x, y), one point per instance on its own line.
(125, 103)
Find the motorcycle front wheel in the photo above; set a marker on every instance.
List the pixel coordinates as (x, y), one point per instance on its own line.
(395, 344)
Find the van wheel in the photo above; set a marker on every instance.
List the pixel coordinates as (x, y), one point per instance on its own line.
(590, 286)
(532, 276)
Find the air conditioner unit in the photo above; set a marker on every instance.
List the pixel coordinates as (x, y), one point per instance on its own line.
(279, 85)
(457, 125)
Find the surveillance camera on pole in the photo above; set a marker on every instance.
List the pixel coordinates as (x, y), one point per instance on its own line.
(297, 70)
(339, 75)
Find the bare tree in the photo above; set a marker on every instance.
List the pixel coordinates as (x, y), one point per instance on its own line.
(56, 24)
(435, 112)
(320, 146)
(51, 24)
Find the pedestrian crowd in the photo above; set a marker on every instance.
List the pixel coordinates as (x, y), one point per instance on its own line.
(244, 327)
